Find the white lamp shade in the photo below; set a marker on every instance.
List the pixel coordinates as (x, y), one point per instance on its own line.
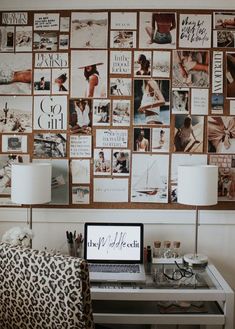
(31, 183)
(197, 185)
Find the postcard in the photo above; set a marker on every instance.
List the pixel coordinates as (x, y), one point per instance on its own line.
(45, 41)
(102, 161)
(81, 194)
(101, 112)
(60, 81)
(42, 81)
(64, 24)
(46, 21)
(14, 143)
(80, 146)
(180, 100)
(160, 140)
(122, 39)
(199, 101)
(112, 138)
(80, 116)
(110, 190)
(7, 38)
(120, 86)
(121, 109)
(142, 138)
(217, 72)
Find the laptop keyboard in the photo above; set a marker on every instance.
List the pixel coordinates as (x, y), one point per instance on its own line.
(114, 268)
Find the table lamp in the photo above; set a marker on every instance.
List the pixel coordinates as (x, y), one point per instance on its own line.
(30, 185)
(197, 186)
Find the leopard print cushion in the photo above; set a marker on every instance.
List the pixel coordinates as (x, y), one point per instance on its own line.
(40, 290)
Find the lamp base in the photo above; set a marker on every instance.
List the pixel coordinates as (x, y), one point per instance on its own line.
(197, 260)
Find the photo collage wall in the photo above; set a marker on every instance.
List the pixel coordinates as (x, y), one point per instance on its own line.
(116, 101)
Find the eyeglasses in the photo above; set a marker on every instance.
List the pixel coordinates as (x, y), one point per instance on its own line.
(179, 273)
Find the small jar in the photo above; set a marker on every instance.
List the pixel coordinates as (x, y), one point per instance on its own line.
(157, 249)
(167, 252)
(176, 249)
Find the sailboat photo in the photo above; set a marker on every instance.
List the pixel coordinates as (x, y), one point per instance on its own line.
(149, 178)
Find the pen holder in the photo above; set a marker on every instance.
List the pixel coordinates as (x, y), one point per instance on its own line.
(71, 249)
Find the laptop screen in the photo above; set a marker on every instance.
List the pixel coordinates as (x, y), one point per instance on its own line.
(113, 243)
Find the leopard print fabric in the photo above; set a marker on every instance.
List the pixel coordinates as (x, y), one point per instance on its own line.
(39, 290)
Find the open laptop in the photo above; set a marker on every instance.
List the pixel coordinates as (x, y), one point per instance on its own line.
(114, 252)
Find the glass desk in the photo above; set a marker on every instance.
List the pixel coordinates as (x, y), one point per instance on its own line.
(203, 298)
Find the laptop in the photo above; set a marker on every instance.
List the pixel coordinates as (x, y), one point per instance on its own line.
(114, 252)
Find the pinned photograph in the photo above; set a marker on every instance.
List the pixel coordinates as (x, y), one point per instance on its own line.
(190, 68)
(149, 181)
(80, 171)
(45, 41)
(224, 20)
(188, 135)
(89, 30)
(141, 140)
(230, 75)
(49, 145)
(120, 87)
(80, 116)
(15, 74)
(157, 30)
(160, 140)
(151, 102)
(6, 161)
(60, 81)
(180, 100)
(63, 41)
(101, 112)
(161, 64)
(221, 134)
(121, 163)
(123, 39)
(226, 175)
(217, 104)
(89, 73)
(81, 194)
(142, 63)
(24, 38)
(42, 81)
(16, 114)
(121, 112)
(14, 143)
(7, 37)
(223, 39)
(102, 161)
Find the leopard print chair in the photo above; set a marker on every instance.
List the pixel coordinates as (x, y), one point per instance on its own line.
(39, 290)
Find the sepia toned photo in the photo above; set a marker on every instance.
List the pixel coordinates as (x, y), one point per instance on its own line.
(47, 145)
(221, 134)
(160, 139)
(224, 20)
(102, 161)
(15, 74)
(89, 30)
(180, 100)
(63, 41)
(142, 63)
(16, 114)
(190, 68)
(24, 38)
(60, 81)
(101, 112)
(121, 162)
(42, 81)
(226, 175)
(7, 38)
(122, 39)
(151, 102)
(157, 30)
(121, 112)
(141, 140)
(161, 64)
(81, 194)
(80, 116)
(120, 87)
(223, 39)
(188, 135)
(89, 73)
(14, 143)
(230, 75)
(149, 181)
(45, 41)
